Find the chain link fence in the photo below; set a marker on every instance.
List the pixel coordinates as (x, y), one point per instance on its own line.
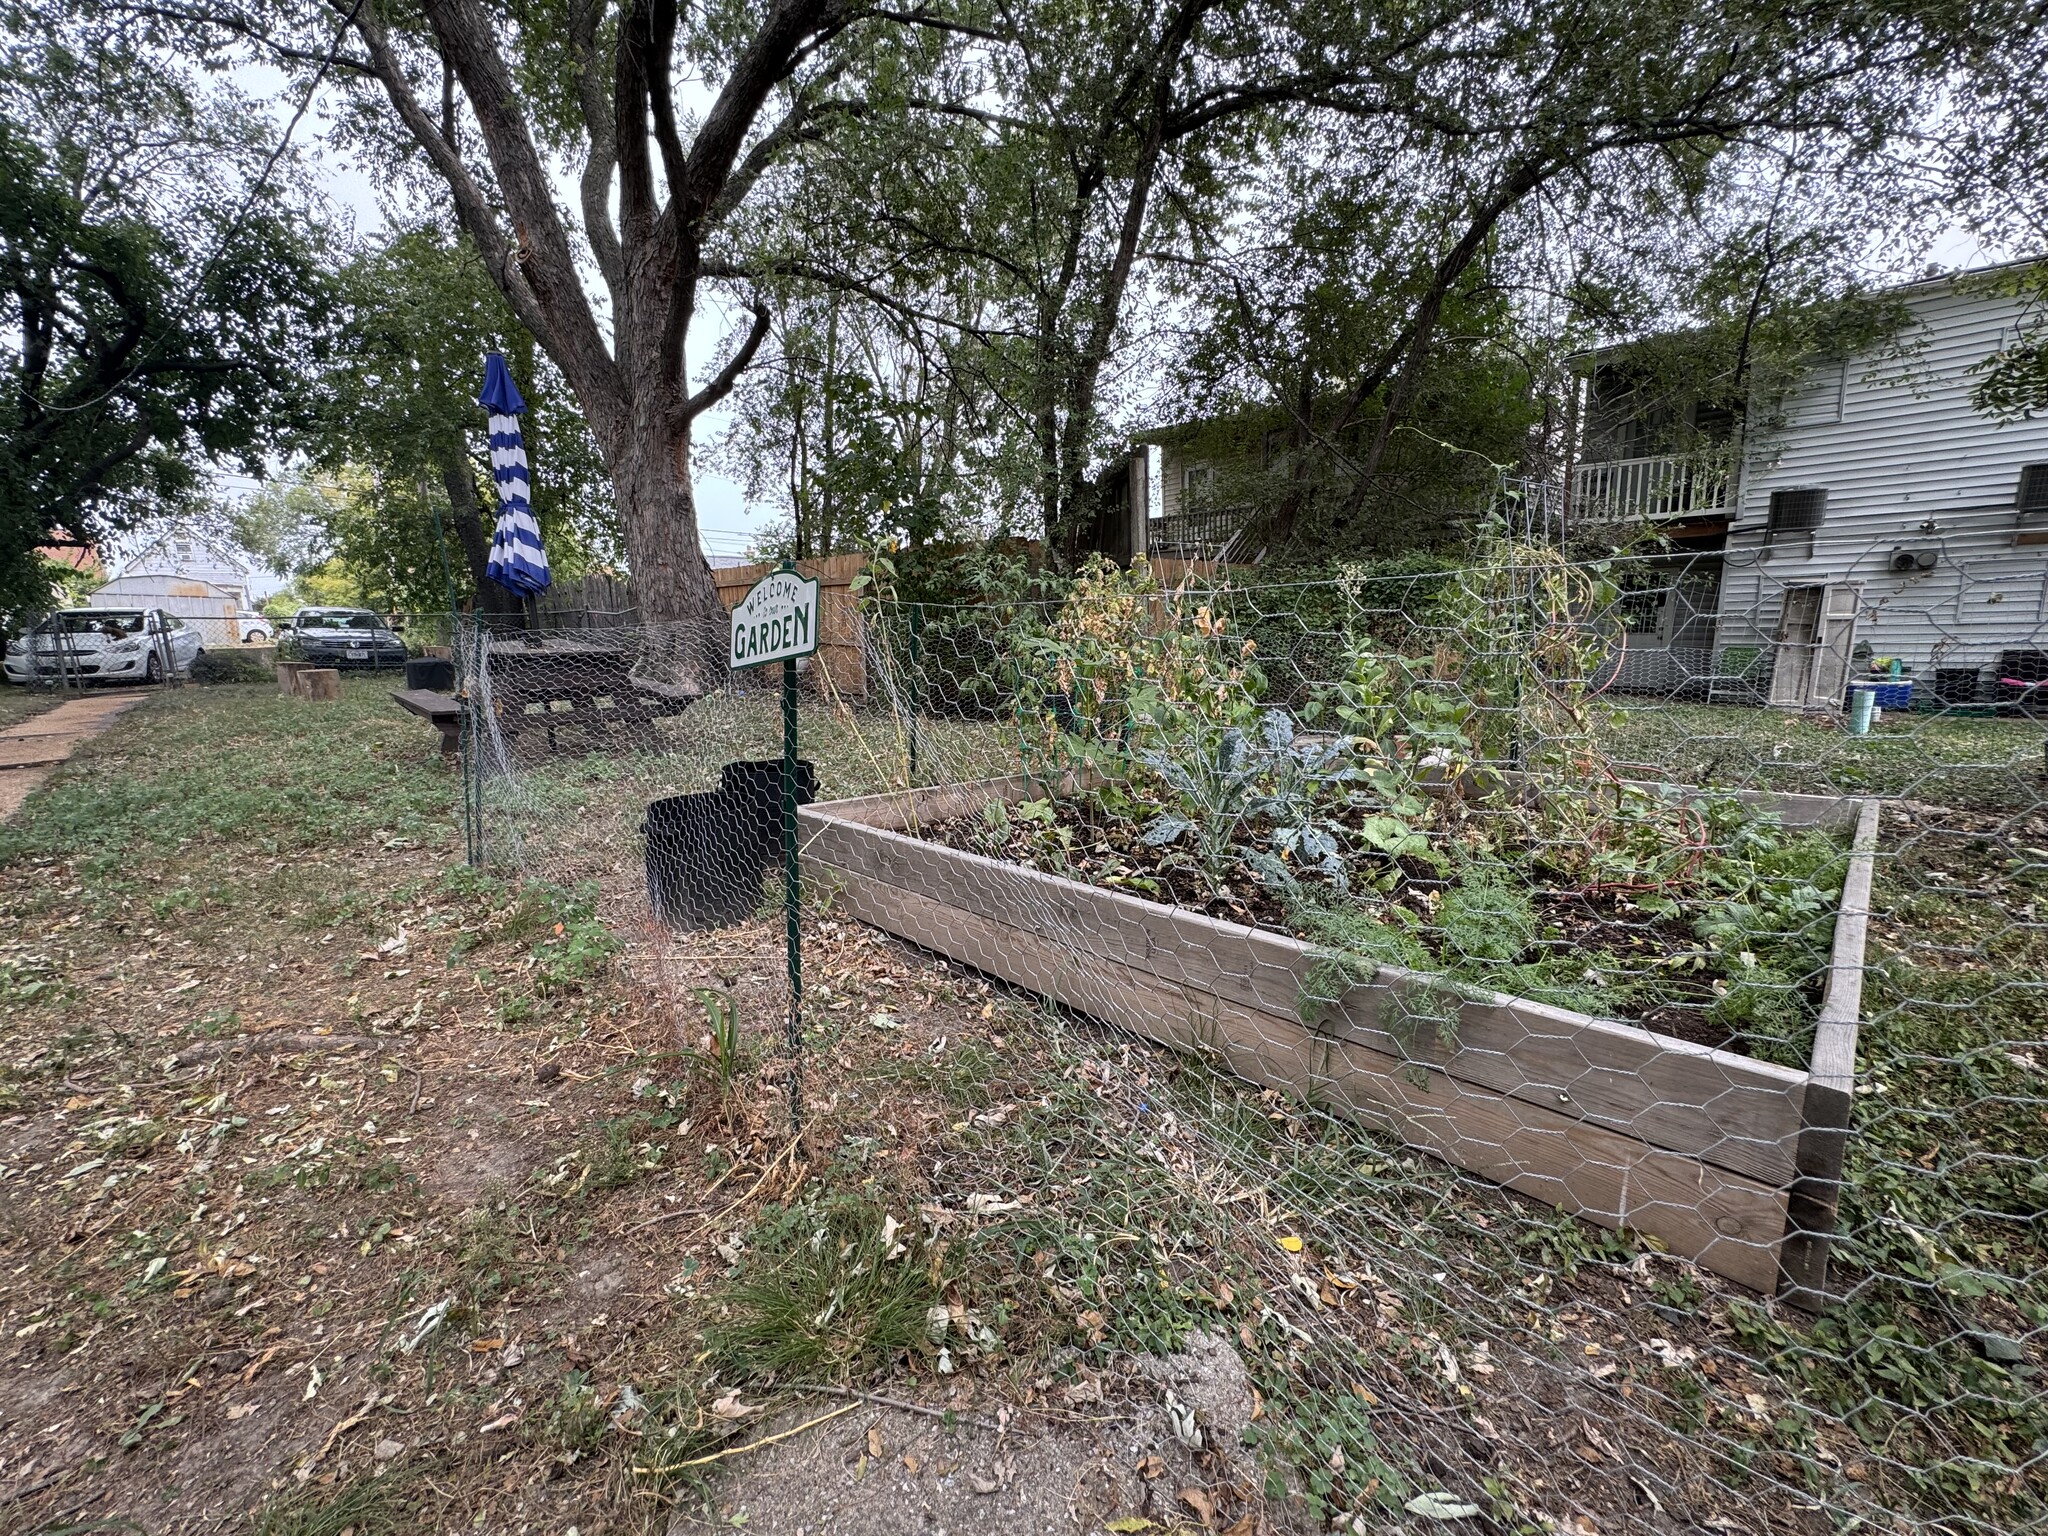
(1626, 1098)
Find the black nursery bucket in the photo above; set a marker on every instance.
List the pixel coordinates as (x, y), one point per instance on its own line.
(434, 673)
(754, 790)
(701, 872)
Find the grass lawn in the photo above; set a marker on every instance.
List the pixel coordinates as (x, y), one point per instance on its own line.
(1960, 761)
(19, 704)
(345, 1188)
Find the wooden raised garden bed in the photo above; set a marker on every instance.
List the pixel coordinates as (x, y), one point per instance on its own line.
(1733, 1162)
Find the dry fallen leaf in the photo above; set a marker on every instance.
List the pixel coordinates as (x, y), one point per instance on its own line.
(1201, 1503)
(910, 1464)
(876, 1448)
(730, 1406)
(1290, 1243)
(1150, 1466)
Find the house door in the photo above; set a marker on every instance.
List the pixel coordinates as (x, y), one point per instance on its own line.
(1816, 634)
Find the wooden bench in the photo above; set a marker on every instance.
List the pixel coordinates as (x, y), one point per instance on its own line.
(443, 709)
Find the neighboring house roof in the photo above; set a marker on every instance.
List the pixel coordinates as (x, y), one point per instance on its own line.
(1932, 283)
(80, 557)
(183, 551)
(167, 585)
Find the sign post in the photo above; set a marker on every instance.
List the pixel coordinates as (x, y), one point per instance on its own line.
(778, 621)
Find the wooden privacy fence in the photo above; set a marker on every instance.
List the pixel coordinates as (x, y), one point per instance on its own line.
(599, 600)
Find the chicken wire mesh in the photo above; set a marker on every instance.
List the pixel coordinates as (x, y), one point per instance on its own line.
(1624, 1099)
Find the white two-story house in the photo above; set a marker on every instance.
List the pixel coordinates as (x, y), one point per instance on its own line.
(1876, 514)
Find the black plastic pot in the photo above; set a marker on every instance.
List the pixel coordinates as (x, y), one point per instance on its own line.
(434, 673)
(701, 869)
(754, 790)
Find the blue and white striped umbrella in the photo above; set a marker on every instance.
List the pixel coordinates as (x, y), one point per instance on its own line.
(518, 562)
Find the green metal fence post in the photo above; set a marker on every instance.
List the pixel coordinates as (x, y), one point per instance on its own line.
(792, 897)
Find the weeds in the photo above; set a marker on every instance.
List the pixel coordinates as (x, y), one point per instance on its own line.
(383, 1505)
(722, 1041)
(832, 1289)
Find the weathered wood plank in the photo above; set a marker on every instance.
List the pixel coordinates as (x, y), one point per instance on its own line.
(1739, 1114)
(1830, 1095)
(1729, 1223)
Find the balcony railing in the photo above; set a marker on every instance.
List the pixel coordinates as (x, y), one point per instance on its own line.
(1635, 490)
(1204, 534)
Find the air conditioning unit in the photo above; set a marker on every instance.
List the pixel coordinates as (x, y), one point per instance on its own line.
(1913, 562)
(2032, 498)
(1795, 511)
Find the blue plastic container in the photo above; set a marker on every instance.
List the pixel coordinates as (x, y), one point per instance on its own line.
(1895, 695)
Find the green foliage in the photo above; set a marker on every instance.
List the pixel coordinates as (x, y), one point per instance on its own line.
(723, 1047)
(1219, 781)
(832, 1289)
(1485, 916)
(1124, 663)
(571, 943)
(160, 306)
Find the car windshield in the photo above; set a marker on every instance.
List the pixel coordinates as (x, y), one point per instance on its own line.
(341, 621)
(112, 622)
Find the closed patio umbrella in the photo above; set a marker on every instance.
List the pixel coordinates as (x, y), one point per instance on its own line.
(518, 561)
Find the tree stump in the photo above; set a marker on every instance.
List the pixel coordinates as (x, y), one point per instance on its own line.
(288, 676)
(319, 683)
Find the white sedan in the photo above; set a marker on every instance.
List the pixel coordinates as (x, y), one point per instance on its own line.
(105, 645)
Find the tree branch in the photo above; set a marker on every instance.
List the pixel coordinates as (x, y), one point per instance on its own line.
(721, 386)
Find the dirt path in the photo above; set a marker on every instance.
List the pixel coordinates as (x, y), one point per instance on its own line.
(31, 751)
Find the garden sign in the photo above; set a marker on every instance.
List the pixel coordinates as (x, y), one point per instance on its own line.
(778, 621)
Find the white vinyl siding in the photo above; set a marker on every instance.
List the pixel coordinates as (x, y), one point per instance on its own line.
(1896, 445)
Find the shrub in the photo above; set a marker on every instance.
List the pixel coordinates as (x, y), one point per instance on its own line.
(229, 667)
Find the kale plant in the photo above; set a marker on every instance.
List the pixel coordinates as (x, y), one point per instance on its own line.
(1223, 780)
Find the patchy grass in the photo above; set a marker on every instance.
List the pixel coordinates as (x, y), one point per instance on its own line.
(19, 704)
(1966, 761)
(517, 1232)
(386, 1505)
(830, 1289)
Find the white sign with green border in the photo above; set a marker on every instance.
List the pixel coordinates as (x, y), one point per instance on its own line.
(776, 620)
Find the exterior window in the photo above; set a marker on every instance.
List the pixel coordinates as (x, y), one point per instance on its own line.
(1197, 480)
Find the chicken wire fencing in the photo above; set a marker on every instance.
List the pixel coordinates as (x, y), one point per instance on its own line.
(1623, 1095)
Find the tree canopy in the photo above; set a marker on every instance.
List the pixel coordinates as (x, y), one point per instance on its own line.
(163, 296)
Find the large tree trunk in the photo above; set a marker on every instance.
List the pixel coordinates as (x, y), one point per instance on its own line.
(672, 585)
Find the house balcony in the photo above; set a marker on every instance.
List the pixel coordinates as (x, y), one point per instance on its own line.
(1651, 490)
(1207, 533)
